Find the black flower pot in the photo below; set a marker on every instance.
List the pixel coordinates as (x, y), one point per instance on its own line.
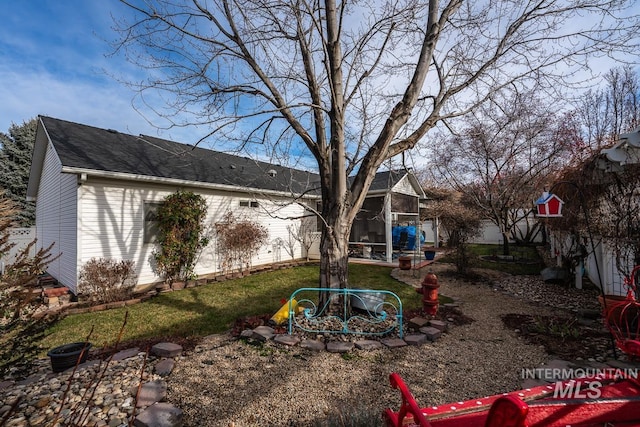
(68, 355)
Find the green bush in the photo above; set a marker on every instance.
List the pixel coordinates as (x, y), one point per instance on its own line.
(181, 227)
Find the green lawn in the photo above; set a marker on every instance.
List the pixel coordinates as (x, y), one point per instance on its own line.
(210, 309)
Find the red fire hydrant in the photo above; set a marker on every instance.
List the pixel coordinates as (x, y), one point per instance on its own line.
(429, 293)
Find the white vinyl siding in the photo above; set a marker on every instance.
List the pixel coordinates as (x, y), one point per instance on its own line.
(112, 223)
(56, 218)
(404, 186)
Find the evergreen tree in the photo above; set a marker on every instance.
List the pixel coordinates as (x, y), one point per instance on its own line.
(15, 161)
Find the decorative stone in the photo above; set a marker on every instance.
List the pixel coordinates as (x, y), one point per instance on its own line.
(438, 324)
(246, 334)
(368, 345)
(286, 339)
(164, 367)
(418, 322)
(312, 345)
(159, 415)
(166, 349)
(125, 354)
(264, 329)
(415, 339)
(163, 287)
(6, 384)
(262, 335)
(431, 332)
(339, 347)
(394, 342)
(177, 286)
(151, 392)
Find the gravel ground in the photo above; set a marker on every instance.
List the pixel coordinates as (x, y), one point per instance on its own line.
(226, 382)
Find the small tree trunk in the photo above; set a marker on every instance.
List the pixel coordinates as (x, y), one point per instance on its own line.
(505, 244)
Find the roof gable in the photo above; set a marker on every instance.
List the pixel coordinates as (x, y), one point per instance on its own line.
(396, 180)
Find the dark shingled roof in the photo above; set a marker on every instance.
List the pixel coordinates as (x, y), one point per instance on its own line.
(87, 147)
(386, 179)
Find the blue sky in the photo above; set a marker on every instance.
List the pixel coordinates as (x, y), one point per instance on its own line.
(54, 60)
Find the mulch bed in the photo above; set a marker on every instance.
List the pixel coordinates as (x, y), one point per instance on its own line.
(563, 337)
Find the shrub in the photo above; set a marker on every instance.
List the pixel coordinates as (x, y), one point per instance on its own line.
(106, 280)
(238, 241)
(19, 298)
(181, 226)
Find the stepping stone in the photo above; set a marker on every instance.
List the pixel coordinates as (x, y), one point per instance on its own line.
(166, 349)
(418, 322)
(159, 415)
(431, 332)
(394, 342)
(554, 369)
(286, 339)
(164, 367)
(415, 339)
(6, 384)
(620, 364)
(589, 313)
(246, 334)
(264, 329)
(368, 345)
(313, 345)
(125, 354)
(150, 393)
(262, 333)
(438, 324)
(339, 347)
(29, 380)
(558, 364)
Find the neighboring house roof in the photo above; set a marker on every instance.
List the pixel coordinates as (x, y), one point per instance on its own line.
(91, 150)
(625, 151)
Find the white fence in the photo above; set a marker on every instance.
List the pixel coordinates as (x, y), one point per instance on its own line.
(490, 233)
(600, 265)
(21, 237)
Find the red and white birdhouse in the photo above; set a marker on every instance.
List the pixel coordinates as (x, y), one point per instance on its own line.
(549, 205)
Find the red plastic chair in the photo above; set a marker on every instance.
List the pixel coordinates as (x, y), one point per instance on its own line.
(623, 318)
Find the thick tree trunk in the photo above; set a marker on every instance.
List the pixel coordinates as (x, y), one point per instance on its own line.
(334, 260)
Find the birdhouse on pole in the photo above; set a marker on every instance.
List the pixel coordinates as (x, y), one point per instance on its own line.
(549, 205)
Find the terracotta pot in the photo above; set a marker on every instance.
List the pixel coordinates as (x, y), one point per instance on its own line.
(404, 262)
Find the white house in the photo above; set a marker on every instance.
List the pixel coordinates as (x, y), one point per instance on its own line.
(96, 190)
(603, 265)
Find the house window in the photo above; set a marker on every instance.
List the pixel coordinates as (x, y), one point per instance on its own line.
(249, 204)
(151, 228)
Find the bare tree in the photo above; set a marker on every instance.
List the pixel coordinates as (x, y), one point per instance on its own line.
(502, 158)
(302, 233)
(352, 85)
(603, 114)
